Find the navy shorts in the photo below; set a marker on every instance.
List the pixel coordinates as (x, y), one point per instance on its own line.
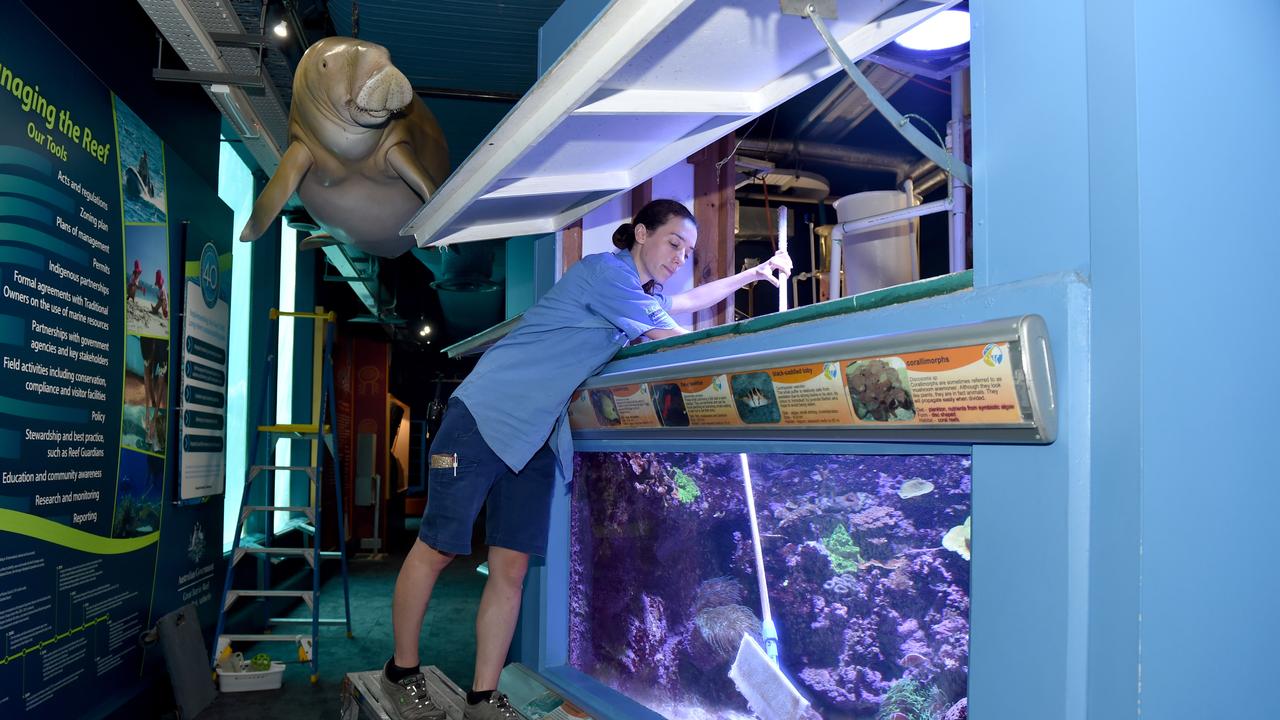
(465, 474)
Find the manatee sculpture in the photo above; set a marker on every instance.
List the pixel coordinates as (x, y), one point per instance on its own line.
(364, 152)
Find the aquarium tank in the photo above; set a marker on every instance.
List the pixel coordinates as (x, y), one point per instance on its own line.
(866, 564)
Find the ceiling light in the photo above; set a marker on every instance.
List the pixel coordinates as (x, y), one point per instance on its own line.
(947, 29)
(424, 331)
(281, 29)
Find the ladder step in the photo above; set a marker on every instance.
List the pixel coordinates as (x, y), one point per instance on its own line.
(307, 621)
(301, 430)
(264, 637)
(330, 554)
(257, 470)
(305, 553)
(234, 594)
(292, 552)
(304, 594)
(278, 508)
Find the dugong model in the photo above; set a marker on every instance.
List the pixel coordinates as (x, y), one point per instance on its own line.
(364, 152)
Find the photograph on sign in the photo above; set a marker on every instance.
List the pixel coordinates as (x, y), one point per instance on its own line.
(880, 390)
(146, 391)
(146, 249)
(141, 168)
(138, 496)
(668, 402)
(606, 411)
(754, 396)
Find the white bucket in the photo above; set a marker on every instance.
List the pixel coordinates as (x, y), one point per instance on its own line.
(249, 680)
(882, 256)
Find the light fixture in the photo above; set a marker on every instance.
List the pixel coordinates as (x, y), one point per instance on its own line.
(281, 29)
(425, 330)
(227, 102)
(947, 29)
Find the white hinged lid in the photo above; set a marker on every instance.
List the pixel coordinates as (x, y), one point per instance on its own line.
(649, 83)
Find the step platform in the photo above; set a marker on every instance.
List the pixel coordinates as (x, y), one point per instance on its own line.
(529, 693)
(362, 695)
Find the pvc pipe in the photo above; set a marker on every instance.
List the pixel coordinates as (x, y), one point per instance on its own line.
(835, 272)
(853, 227)
(909, 187)
(782, 248)
(959, 192)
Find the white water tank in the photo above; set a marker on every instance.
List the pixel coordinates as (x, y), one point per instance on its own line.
(884, 255)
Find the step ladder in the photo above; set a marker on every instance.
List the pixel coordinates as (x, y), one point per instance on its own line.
(322, 441)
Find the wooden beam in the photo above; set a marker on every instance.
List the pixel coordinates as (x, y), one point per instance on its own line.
(570, 246)
(640, 196)
(713, 207)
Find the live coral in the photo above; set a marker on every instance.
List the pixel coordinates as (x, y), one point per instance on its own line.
(686, 489)
(912, 700)
(845, 556)
(958, 540)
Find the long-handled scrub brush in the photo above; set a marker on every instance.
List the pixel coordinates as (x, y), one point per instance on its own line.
(755, 670)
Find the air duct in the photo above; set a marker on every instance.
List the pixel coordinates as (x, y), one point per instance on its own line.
(824, 152)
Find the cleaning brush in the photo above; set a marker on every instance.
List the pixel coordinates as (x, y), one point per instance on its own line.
(755, 671)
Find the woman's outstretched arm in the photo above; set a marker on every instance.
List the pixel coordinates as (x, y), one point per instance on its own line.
(704, 296)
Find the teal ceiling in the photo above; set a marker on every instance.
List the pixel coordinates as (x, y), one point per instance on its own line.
(454, 44)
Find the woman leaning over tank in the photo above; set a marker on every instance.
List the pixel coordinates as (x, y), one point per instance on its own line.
(505, 432)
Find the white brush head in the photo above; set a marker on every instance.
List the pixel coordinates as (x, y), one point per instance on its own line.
(769, 692)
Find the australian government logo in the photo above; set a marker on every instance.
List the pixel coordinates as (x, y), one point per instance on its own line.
(210, 277)
(196, 544)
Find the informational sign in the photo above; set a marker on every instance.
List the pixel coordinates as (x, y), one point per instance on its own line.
(581, 414)
(85, 325)
(707, 401)
(635, 406)
(971, 385)
(811, 394)
(207, 324)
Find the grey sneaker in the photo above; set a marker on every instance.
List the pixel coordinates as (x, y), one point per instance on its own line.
(495, 708)
(408, 699)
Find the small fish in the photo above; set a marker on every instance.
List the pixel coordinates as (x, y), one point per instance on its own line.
(755, 398)
(911, 660)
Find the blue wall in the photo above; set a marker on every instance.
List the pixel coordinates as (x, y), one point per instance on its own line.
(1206, 290)
(563, 27)
(1151, 161)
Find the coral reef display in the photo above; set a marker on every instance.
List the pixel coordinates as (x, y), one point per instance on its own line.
(872, 607)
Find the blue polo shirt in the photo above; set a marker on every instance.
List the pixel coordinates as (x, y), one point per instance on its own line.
(520, 388)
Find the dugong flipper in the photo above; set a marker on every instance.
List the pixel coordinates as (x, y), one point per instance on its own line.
(364, 152)
(282, 185)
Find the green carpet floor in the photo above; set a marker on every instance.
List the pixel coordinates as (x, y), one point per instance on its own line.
(448, 641)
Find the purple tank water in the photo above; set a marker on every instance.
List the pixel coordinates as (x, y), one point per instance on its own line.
(866, 560)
